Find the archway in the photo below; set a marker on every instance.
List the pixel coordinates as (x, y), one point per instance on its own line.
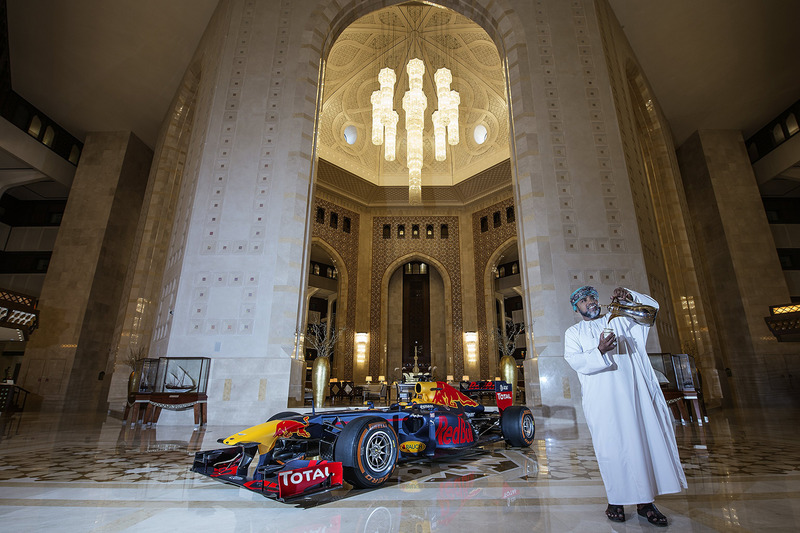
(438, 356)
(503, 300)
(327, 301)
(498, 21)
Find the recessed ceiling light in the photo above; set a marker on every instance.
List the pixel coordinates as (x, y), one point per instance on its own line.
(480, 134)
(350, 134)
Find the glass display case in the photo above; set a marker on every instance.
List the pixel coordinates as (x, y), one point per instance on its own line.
(678, 369)
(665, 369)
(147, 369)
(685, 372)
(182, 374)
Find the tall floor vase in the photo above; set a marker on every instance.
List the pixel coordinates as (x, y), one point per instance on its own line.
(320, 375)
(508, 372)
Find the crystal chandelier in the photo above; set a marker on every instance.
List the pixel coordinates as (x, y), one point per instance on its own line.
(383, 116)
(446, 117)
(384, 119)
(414, 104)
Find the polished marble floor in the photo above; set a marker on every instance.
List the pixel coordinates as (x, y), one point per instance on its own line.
(89, 474)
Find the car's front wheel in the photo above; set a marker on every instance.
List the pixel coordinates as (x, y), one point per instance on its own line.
(518, 426)
(367, 449)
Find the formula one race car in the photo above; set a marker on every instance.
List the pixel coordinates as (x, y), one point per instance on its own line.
(306, 454)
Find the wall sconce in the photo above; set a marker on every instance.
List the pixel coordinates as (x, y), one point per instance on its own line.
(382, 379)
(471, 340)
(369, 379)
(361, 347)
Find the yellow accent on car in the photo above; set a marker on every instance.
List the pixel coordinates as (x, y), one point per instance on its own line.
(412, 446)
(264, 434)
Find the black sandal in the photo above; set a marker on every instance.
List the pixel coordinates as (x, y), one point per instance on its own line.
(653, 515)
(615, 513)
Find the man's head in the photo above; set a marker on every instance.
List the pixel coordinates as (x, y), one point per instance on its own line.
(584, 301)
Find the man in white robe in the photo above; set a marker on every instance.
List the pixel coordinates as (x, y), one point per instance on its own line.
(630, 423)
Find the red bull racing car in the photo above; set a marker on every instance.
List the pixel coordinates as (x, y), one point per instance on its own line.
(301, 454)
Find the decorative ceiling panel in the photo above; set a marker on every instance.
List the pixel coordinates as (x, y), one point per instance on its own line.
(349, 185)
(390, 38)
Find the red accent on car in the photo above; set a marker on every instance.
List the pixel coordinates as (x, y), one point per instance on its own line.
(290, 428)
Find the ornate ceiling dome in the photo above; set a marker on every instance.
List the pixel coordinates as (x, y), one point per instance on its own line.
(390, 38)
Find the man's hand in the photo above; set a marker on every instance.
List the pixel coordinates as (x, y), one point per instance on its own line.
(621, 293)
(607, 343)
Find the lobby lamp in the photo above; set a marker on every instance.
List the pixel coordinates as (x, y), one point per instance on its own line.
(382, 379)
(369, 379)
(464, 378)
(450, 378)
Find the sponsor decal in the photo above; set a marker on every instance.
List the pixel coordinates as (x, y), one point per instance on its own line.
(460, 434)
(503, 395)
(412, 446)
(291, 428)
(481, 386)
(299, 480)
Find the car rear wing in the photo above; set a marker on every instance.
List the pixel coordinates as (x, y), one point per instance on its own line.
(501, 390)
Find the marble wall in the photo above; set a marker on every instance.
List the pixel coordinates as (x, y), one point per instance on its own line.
(239, 243)
(235, 256)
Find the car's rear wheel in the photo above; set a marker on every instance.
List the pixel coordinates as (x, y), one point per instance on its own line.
(367, 449)
(518, 426)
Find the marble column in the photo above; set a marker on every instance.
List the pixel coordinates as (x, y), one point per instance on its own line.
(740, 265)
(66, 359)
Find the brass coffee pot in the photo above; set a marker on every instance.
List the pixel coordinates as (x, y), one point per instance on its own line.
(639, 313)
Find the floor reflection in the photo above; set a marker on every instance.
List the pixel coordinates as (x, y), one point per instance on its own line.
(96, 474)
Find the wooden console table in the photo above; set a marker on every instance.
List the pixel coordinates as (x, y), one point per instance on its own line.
(177, 402)
(136, 407)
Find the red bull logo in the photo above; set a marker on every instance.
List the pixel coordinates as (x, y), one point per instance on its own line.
(450, 397)
(460, 434)
(291, 428)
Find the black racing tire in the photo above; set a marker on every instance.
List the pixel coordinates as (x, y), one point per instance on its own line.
(518, 426)
(367, 448)
(283, 415)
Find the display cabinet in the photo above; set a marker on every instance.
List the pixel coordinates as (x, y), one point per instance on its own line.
(679, 369)
(147, 370)
(176, 375)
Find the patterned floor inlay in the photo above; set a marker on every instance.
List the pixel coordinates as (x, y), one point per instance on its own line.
(141, 459)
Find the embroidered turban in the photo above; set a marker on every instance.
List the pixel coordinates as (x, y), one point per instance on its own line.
(580, 294)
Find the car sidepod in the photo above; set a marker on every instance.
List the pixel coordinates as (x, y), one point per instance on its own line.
(452, 429)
